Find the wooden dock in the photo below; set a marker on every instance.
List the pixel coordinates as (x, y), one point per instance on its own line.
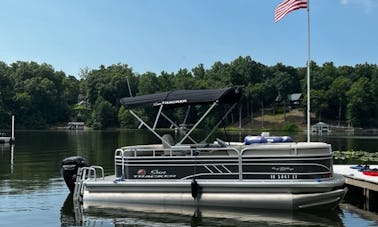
(355, 178)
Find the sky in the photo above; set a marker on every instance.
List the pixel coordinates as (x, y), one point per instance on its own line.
(169, 35)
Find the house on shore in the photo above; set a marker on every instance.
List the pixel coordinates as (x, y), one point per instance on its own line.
(76, 125)
(321, 128)
(292, 100)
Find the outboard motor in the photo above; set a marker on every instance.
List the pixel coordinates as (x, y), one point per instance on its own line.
(69, 169)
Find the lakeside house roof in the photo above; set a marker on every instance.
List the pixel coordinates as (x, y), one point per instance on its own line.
(294, 97)
(291, 97)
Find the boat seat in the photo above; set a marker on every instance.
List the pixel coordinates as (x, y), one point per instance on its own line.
(169, 147)
(221, 142)
(168, 141)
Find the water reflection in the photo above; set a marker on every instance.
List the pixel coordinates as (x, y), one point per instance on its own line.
(367, 218)
(8, 150)
(67, 213)
(114, 214)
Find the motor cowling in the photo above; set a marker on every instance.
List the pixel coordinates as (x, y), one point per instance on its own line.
(69, 169)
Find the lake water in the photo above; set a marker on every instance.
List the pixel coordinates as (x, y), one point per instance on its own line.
(32, 192)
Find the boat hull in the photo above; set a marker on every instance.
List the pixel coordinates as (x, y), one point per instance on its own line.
(283, 195)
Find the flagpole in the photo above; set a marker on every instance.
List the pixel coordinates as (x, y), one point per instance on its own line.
(285, 7)
(308, 72)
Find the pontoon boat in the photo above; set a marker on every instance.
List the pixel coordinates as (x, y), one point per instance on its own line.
(260, 172)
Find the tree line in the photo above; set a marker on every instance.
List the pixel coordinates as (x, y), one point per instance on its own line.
(41, 97)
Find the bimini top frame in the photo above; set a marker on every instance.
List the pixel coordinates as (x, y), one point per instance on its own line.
(183, 98)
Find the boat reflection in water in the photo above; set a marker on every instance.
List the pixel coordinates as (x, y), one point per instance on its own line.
(73, 213)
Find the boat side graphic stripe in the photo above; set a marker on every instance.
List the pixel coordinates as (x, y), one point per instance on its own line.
(178, 160)
(175, 164)
(208, 169)
(285, 164)
(296, 173)
(224, 167)
(285, 159)
(209, 174)
(217, 168)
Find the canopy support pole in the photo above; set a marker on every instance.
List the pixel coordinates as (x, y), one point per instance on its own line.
(174, 124)
(145, 124)
(220, 121)
(157, 116)
(198, 122)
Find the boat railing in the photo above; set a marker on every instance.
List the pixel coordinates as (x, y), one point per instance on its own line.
(182, 150)
(288, 149)
(282, 149)
(282, 156)
(84, 174)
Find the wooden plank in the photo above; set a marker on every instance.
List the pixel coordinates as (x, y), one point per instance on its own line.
(362, 184)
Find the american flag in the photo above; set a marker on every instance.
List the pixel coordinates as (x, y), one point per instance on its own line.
(287, 6)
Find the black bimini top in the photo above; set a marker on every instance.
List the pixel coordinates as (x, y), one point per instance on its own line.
(180, 98)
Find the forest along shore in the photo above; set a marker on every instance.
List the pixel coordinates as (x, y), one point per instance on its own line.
(41, 97)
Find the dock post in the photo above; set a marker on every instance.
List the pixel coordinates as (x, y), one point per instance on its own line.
(12, 128)
(366, 194)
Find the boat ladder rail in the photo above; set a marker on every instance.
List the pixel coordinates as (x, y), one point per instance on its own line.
(86, 174)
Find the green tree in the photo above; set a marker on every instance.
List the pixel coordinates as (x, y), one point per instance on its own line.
(166, 81)
(110, 83)
(358, 108)
(261, 94)
(337, 92)
(148, 84)
(374, 96)
(6, 94)
(245, 70)
(184, 80)
(71, 90)
(41, 89)
(127, 120)
(218, 76)
(104, 114)
(285, 84)
(318, 102)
